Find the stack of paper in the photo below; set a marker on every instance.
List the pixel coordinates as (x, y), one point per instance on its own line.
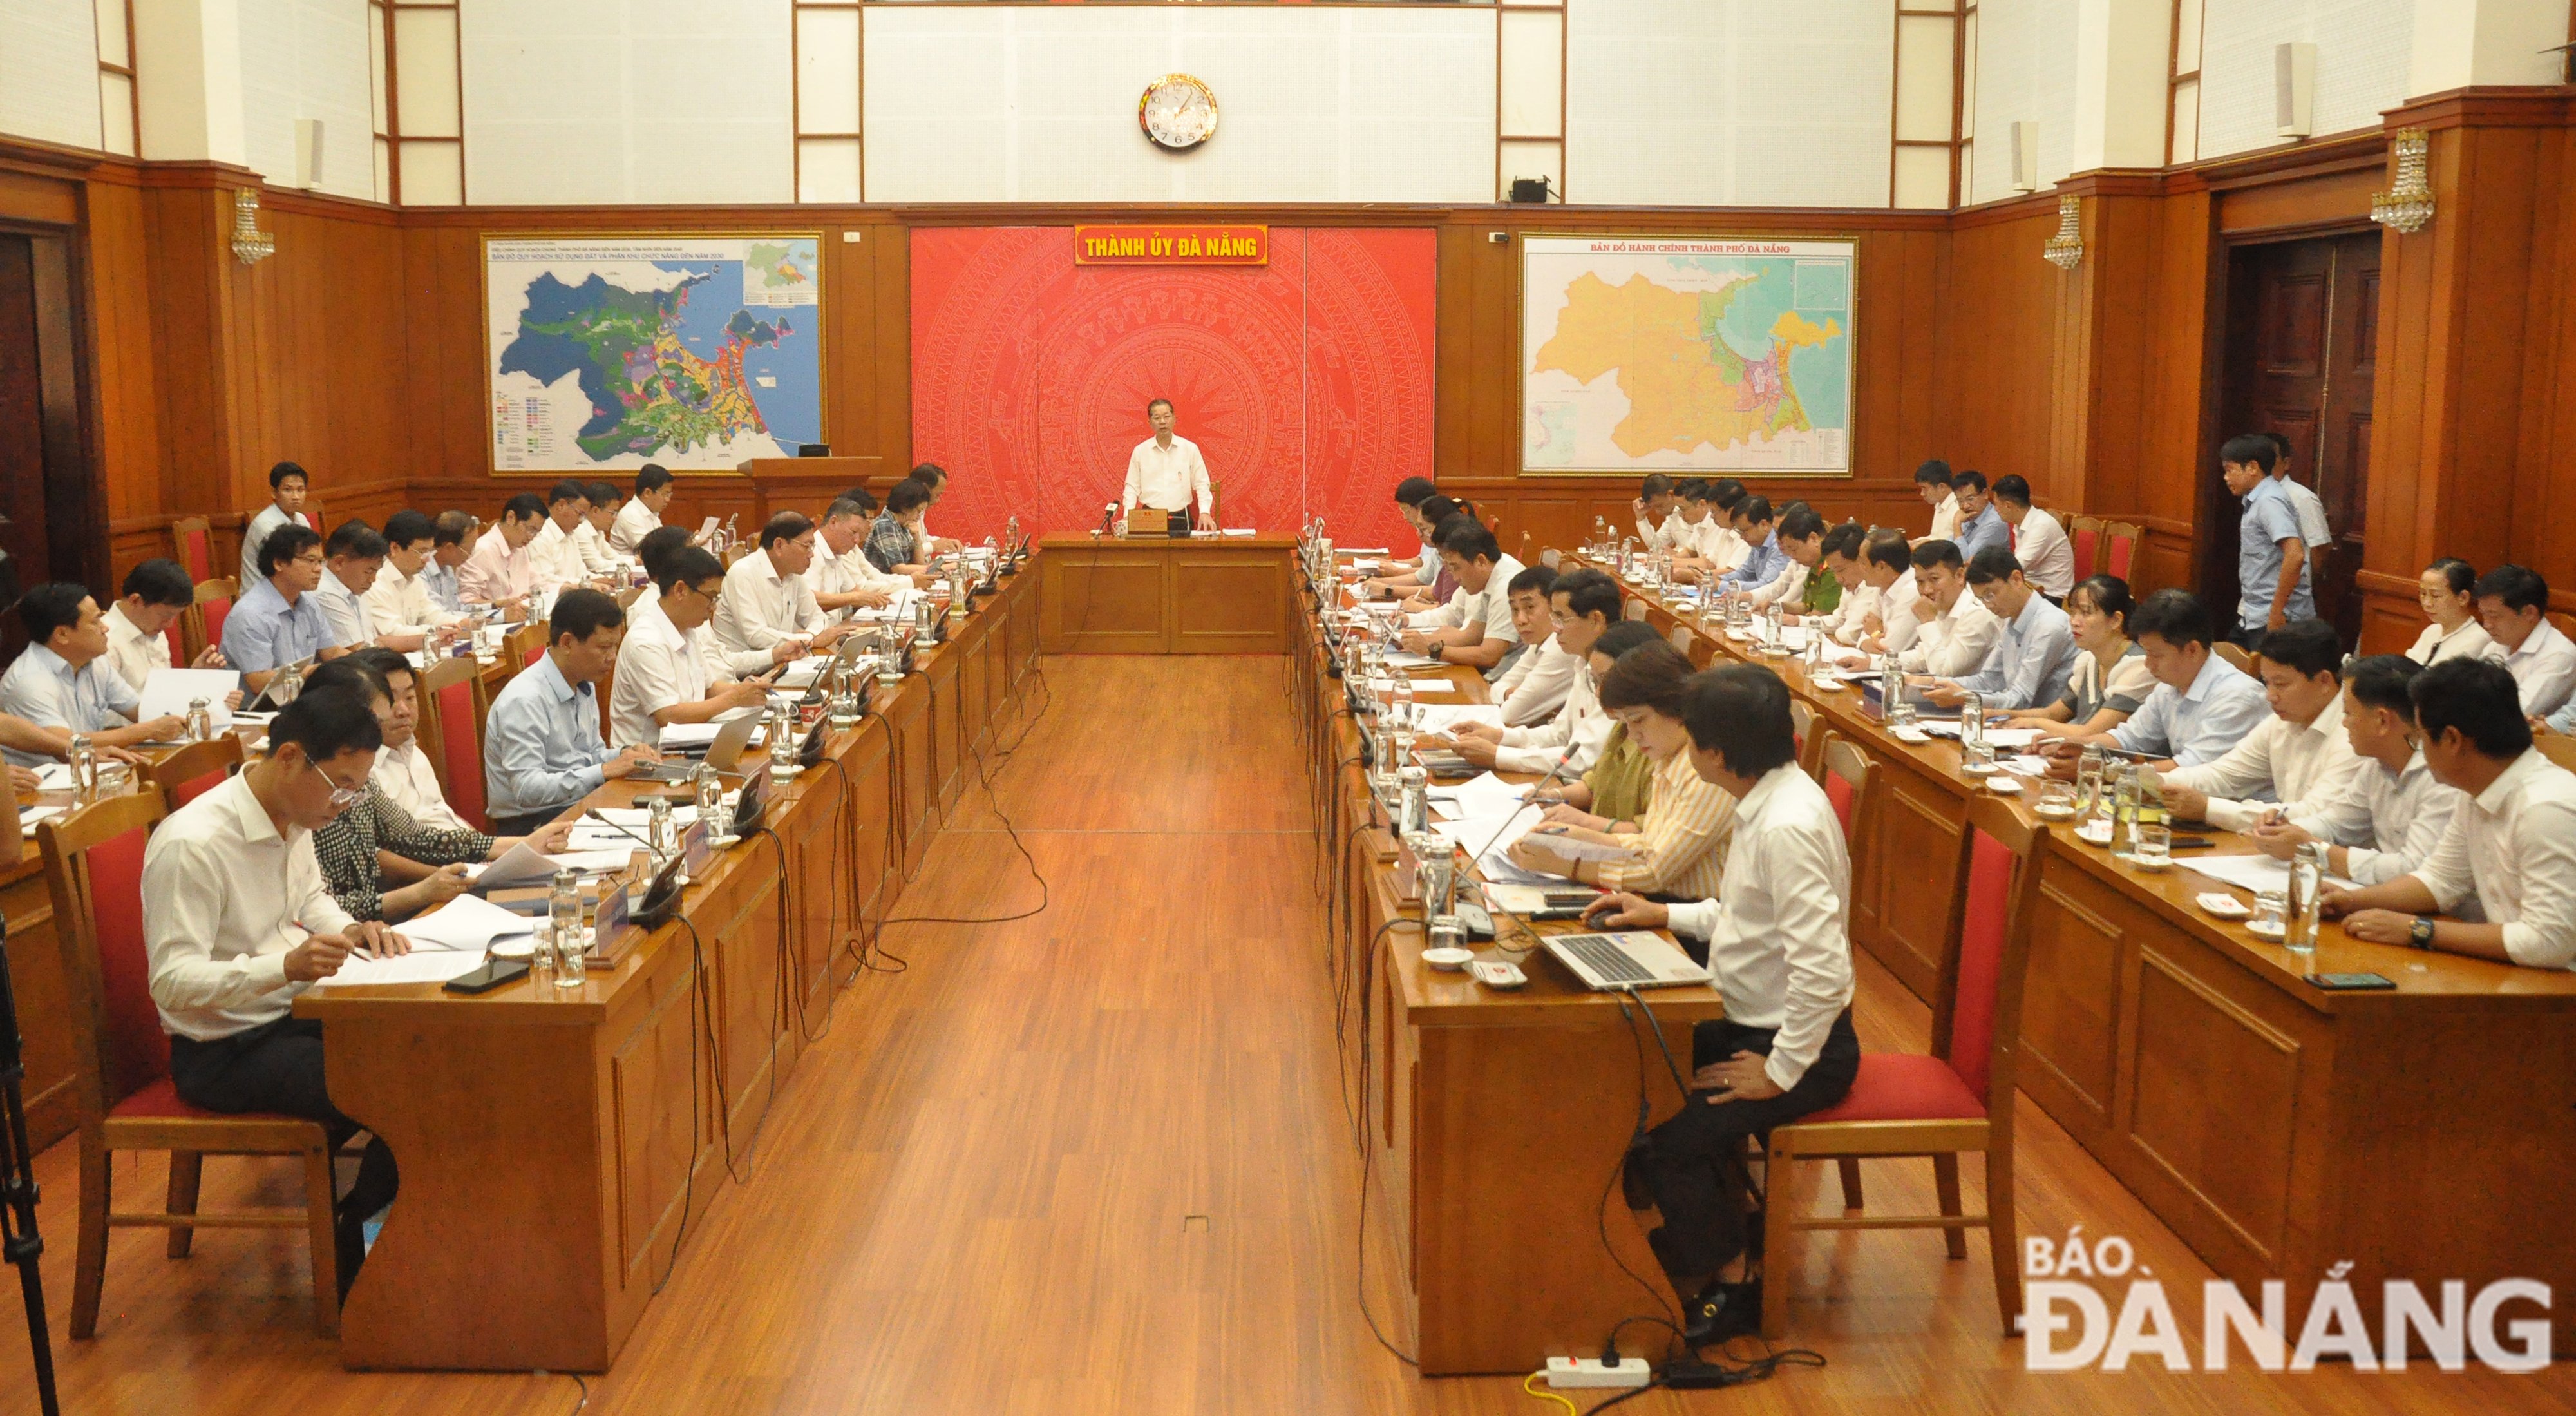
(1485, 796)
(1421, 687)
(1445, 717)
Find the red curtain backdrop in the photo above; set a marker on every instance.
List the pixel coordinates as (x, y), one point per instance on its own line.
(1307, 383)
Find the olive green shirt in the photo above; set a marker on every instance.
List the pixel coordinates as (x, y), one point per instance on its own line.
(1621, 780)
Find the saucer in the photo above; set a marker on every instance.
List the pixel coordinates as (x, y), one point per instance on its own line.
(2223, 905)
(2008, 786)
(1916, 735)
(2262, 929)
(1448, 960)
(2089, 835)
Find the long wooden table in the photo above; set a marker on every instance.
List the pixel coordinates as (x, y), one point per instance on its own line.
(2424, 1133)
(558, 1146)
(1156, 595)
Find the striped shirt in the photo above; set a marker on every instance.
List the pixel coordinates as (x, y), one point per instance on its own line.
(1683, 837)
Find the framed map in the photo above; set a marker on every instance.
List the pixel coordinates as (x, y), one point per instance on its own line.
(1686, 354)
(696, 352)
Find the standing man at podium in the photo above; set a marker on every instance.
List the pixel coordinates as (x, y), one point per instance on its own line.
(1165, 471)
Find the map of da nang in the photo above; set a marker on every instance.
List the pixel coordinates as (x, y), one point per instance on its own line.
(690, 353)
(1642, 354)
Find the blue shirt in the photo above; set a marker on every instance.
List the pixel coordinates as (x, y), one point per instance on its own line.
(264, 632)
(440, 582)
(1761, 566)
(2031, 662)
(541, 744)
(2198, 726)
(1986, 528)
(43, 688)
(2269, 520)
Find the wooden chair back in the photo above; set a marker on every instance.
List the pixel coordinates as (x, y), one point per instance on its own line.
(203, 624)
(1847, 776)
(1976, 1012)
(2557, 747)
(194, 542)
(1552, 558)
(1802, 727)
(525, 644)
(196, 769)
(451, 732)
(1635, 609)
(2084, 536)
(2236, 658)
(2120, 550)
(94, 874)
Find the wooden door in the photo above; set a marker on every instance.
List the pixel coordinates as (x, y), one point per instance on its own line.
(22, 415)
(2302, 336)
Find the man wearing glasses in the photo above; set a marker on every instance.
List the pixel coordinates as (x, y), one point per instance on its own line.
(766, 599)
(279, 621)
(2033, 658)
(237, 921)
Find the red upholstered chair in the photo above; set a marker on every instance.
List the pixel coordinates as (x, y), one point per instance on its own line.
(1802, 727)
(451, 733)
(203, 624)
(94, 871)
(195, 544)
(2120, 549)
(196, 769)
(1846, 775)
(2084, 534)
(1958, 1098)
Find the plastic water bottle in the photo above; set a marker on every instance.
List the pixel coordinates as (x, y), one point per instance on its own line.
(661, 830)
(1979, 754)
(563, 917)
(1891, 695)
(1414, 809)
(84, 760)
(2307, 886)
(201, 720)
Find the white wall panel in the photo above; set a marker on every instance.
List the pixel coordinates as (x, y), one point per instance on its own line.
(1925, 91)
(1315, 104)
(2363, 49)
(628, 101)
(425, 60)
(1729, 102)
(2026, 56)
(1533, 73)
(49, 71)
(827, 71)
(309, 59)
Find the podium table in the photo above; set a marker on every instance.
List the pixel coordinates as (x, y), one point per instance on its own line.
(1156, 595)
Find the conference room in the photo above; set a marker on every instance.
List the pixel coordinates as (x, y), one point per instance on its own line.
(1408, 705)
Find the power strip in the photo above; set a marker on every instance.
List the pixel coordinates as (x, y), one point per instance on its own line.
(1568, 1372)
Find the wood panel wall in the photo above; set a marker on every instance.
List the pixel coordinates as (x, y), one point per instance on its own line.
(358, 349)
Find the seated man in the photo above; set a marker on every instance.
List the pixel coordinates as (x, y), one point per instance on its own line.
(2037, 541)
(1980, 525)
(935, 477)
(654, 488)
(542, 751)
(1954, 629)
(279, 622)
(1763, 558)
(1475, 627)
(591, 536)
(1657, 507)
(237, 921)
(1409, 496)
(2299, 757)
(62, 679)
(1534, 686)
(155, 595)
(767, 601)
(2200, 708)
(287, 486)
(2511, 846)
(399, 602)
(2513, 604)
(1800, 535)
(1435, 514)
(1888, 626)
(554, 556)
(859, 571)
(501, 570)
(1932, 481)
(1841, 558)
(661, 678)
(841, 576)
(354, 557)
(404, 773)
(722, 665)
(891, 546)
(2033, 655)
(1584, 605)
(451, 545)
(2389, 817)
(1779, 950)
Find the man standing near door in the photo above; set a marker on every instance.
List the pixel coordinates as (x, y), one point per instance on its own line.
(2271, 556)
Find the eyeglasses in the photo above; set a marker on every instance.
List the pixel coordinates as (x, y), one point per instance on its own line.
(342, 798)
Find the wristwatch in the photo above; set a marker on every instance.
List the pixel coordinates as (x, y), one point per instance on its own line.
(1434, 648)
(2420, 934)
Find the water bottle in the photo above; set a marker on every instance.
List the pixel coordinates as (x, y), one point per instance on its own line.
(1771, 627)
(201, 720)
(2307, 885)
(1400, 710)
(1978, 753)
(288, 683)
(1414, 813)
(1600, 536)
(1891, 695)
(563, 918)
(782, 740)
(709, 789)
(84, 760)
(845, 694)
(2124, 809)
(2089, 799)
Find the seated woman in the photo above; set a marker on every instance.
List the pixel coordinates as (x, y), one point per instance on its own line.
(2444, 590)
(1679, 846)
(2111, 677)
(374, 838)
(1617, 787)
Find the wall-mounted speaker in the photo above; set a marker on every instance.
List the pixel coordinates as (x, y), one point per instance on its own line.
(2025, 156)
(1529, 189)
(2294, 89)
(308, 152)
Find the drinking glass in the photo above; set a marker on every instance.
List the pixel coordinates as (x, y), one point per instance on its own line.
(2155, 845)
(1447, 932)
(2057, 801)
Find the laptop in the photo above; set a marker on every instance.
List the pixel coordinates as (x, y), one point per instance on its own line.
(1629, 959)
(722, 754)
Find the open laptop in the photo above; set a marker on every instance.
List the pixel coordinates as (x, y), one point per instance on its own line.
(1629, 959)
(722, 753)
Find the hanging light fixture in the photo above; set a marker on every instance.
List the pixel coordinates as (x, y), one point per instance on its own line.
(2406, 207)
(2065, 250)
(250, 244)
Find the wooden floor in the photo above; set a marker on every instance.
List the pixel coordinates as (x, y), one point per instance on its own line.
(1097, 1160)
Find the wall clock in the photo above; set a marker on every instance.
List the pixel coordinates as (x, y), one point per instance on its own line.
(1178, 112)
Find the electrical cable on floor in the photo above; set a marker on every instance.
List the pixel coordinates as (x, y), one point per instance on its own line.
(1559, 1399)
(1652, 1384)
(584, 1388)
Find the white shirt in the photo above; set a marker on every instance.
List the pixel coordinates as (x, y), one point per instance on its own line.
(224, 898)
(400, 604)
(857, 572)
(554, 558)
(835, 575)
(595, 559)
(1843, 625)
(2513, 846)
(2469, 641)
(1954, 644)
(2545, 666)
(2301, 767)
(1785, 587)
(1490, 607)
(635, 521)
(130, 652)
(1166, 478)
(1660, 538)
(1896, 613)
(407, 778)
(1576, 734)
(760, 606)
(2047, 557)
(1945, 519)
(2387, 822)
(2311, 510)
(352, 623)
(264, 521)
(656, 667)
(42, 687)
(1535, 685)
(1779, 931)
(495, 572)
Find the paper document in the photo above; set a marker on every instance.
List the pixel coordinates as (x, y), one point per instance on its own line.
(1443, 717)
(167, 692)
(1573, 848)
(800, 673)
(1407, 659)
(592, 836)
(637, 816)
(29, 817)
(676, 736)
(419, 966)
(2257, 873)
(706, 528)
(1359, 550)
(1486, 796)
(1491, 832)
(1421, 687)
(1240, 531)
(467, 922)
(518, 866)
(54, 777)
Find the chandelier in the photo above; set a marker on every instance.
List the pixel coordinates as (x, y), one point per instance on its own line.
(2407, 206)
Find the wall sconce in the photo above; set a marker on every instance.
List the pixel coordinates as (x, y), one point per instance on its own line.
(250, 244)
(2065, 250)
(2406, 207)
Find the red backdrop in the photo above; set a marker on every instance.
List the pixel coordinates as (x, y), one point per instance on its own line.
(1307, 383)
